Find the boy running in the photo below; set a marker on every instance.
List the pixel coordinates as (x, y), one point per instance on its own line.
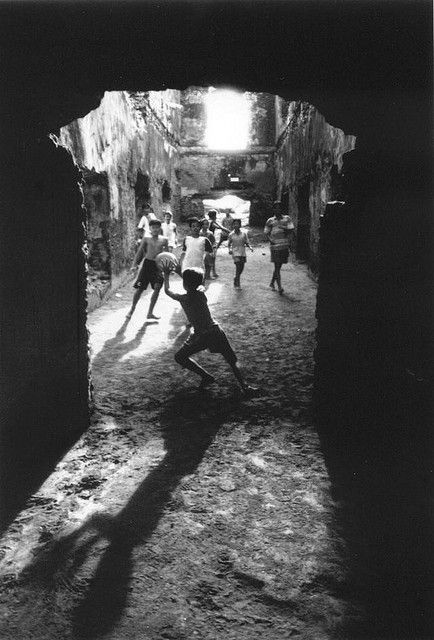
(228, 222)
(207, 333)
(237, 242)
(149, 274)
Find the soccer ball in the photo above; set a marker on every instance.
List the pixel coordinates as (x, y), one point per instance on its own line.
(166, 260)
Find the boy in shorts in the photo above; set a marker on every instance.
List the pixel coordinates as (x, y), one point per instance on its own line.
(169, 230)
(209, 259)
(213, 226)
(194, 248)
(207, 333)
(237, 243)
(277, 231)
(149, 274)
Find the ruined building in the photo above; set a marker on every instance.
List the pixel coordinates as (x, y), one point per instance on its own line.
(365, 67)
(151, 147)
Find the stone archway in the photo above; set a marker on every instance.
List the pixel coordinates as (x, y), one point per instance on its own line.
(70, 56)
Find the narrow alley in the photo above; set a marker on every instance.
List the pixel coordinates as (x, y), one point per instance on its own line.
(183, 514)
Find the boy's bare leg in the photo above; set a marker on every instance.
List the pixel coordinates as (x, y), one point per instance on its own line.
(213, 271)
(278, 280)
(136, 297)
(273, 278)
(192, 365)
(238, 272)
(154, 298)
(243, 384)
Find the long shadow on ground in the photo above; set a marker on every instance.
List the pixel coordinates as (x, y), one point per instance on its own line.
(189, 424)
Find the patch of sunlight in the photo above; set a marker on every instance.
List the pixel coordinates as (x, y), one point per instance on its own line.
(149, 337)
(71, 514)
(239, 206)
(228, 120)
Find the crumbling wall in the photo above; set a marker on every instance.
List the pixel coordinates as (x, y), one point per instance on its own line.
(203, 174)
(249, 174)
(308, 150)
(129, 143)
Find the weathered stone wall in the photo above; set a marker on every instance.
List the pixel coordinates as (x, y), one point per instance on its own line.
(307, 150)
(131, 142)
(204, 171)
(207, 173)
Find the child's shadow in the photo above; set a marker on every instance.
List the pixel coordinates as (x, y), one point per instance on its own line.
(189, 424)
(115, 348)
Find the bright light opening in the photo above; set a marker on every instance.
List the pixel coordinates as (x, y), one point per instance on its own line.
(228, 120)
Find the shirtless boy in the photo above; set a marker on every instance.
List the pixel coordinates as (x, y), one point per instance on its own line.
(149, 274)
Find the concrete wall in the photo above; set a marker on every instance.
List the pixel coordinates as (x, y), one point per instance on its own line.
(307, 150)
(127, 148)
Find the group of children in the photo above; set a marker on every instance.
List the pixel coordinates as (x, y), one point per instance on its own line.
(196, 265)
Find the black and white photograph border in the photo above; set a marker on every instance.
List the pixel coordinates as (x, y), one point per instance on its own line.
(243, 456)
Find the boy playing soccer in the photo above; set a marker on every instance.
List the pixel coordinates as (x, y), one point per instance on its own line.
(149, 249)
(207, 333)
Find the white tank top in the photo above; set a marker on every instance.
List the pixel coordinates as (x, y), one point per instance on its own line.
(194, 253)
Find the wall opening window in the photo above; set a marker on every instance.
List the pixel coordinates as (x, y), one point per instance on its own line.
(228, 120)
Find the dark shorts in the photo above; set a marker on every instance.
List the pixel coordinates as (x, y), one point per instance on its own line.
(148, 274)
(279, 254)
(214, 340)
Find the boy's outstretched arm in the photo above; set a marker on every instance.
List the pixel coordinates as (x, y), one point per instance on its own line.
(167, 290)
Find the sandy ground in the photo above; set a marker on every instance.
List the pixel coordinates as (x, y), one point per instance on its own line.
(182, 514)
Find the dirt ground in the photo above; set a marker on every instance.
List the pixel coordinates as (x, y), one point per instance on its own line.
(183, 514)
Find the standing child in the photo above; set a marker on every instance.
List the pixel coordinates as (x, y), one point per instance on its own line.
(277, 231)
(237, 243)
(207, 333)
(143, 230)
(149, 273)
(194, 248)
(169, 230)
(213, 226)
(209, 257)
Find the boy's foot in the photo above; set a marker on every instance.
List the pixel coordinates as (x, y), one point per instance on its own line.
(206, 381)
(215, 275)
(151, 316)
(272, 286)
(281, 291)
